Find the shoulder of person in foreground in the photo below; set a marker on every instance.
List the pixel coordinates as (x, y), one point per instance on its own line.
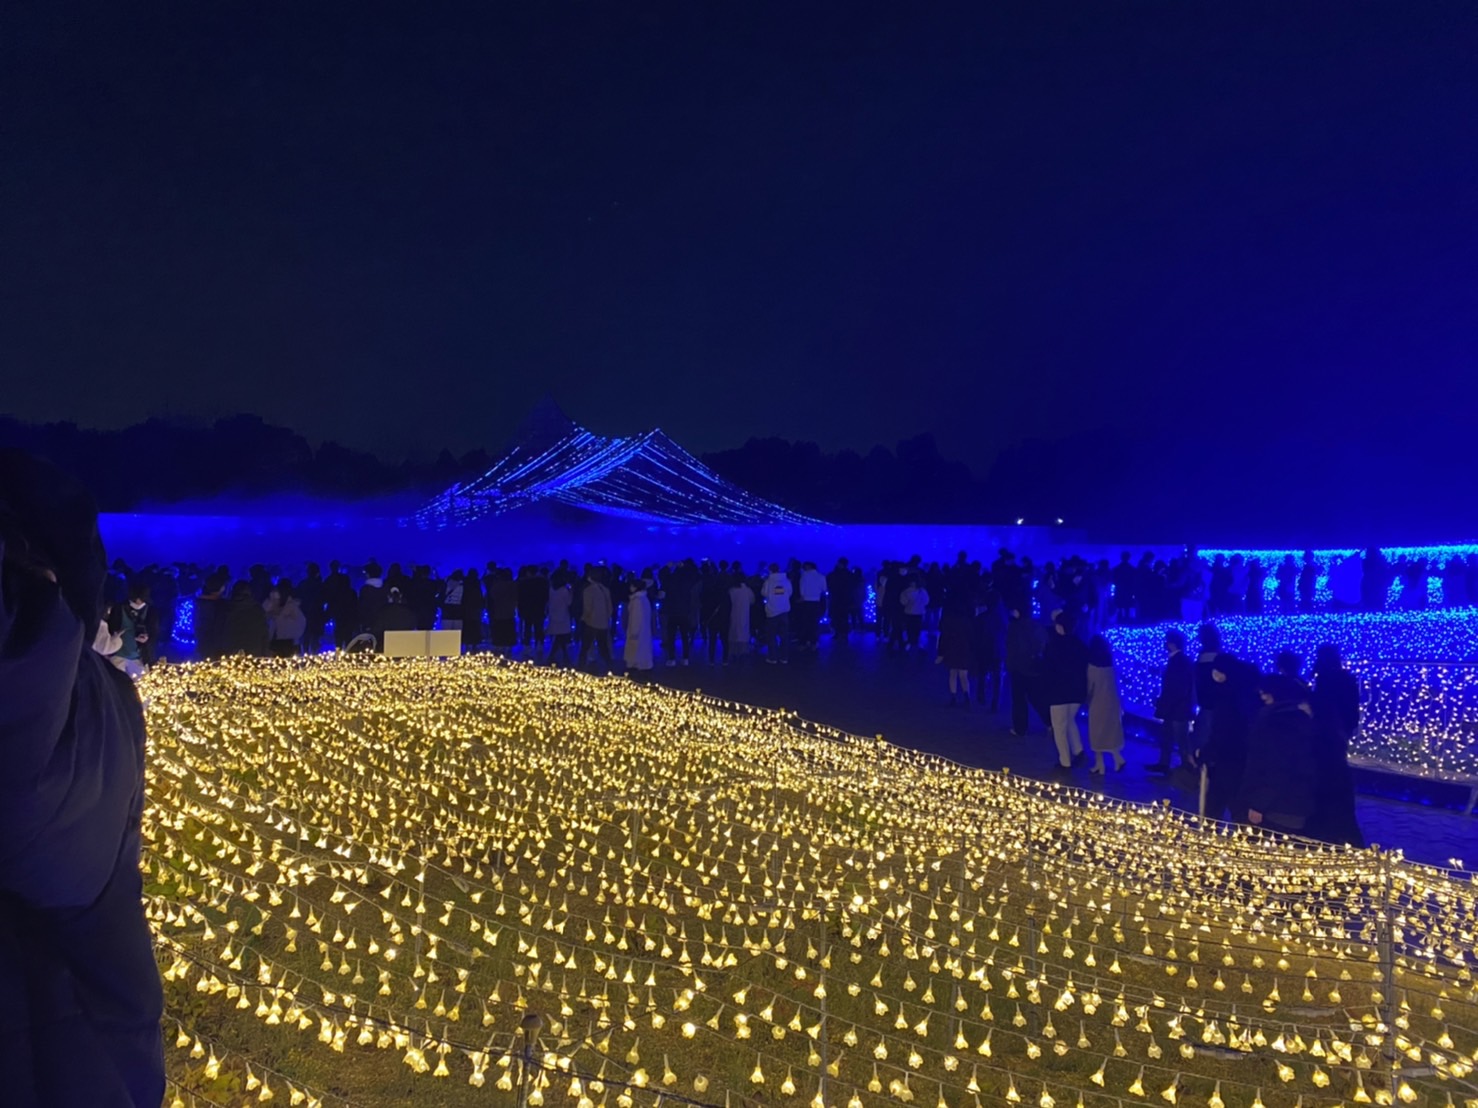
(70, 723)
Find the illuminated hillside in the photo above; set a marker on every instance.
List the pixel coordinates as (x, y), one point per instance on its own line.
(368, 877)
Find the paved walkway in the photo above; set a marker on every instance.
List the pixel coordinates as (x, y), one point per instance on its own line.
(867, 691)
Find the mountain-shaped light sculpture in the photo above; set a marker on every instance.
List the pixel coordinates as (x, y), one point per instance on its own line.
(644, 477)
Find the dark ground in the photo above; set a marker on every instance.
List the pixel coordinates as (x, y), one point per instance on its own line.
(867, 691)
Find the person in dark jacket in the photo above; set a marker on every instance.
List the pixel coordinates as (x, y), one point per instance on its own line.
(1025, 641)
(143, 620)
(396, 615)
(310, 599)
(246, 623)
(474, 607)
(372, 595)
(988, 647)
(1208, 692)
(839, 610)
(532, 589)
(80, 995)
(679, 617)
(1336, 703)
(1224, 753)
(954, 653)
(341, 605)
(502, 593)
(1278, 785)
(211, 610)
(1175, 706)
(713, 611)
(1065, 682)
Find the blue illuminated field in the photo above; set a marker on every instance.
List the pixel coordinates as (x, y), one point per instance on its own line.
(1418, 674)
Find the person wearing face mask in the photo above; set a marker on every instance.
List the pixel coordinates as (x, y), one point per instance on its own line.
(143, 622)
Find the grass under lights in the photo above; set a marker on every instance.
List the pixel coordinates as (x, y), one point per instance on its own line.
(367, 877)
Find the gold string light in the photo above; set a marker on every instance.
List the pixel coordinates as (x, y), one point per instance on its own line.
(372, 872)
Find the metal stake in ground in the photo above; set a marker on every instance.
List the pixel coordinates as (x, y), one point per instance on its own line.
(530, 1026)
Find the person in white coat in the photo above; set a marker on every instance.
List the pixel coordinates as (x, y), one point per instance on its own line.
(741, 600)
(637, 652)
(776, 594)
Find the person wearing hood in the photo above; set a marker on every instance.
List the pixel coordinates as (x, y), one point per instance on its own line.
(80, 994)
(637, 651)
(1279, 782)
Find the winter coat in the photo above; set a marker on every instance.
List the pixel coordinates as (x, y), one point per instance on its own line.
(209, 624)
(1025, 640)
(502, 599)
(637, 652)
(1282, 765)
(595, 606)
(560, 599)
(1336, 700)
(1105, 710)
(741, 601)
(914, 600)
(776, 591)
(393, 617)
(80, 995)
(713, 602)
(1176, 702)
(1065, 670)
(246, 627)
(290, 624)
(954, 641)
(371, 599)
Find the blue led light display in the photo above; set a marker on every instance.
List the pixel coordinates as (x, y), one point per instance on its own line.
(1418, 674)
(183, 631)
(1436, 558)
(645, 477)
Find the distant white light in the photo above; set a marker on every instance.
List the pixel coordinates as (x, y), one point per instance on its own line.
(1020, 520)
(1059, 521)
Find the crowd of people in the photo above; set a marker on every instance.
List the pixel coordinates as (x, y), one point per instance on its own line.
(1009, 635)
(722, 608)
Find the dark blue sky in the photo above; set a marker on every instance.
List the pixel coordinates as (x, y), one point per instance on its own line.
(399, 225)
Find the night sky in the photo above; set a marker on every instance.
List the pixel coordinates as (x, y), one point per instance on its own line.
(399, 226)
